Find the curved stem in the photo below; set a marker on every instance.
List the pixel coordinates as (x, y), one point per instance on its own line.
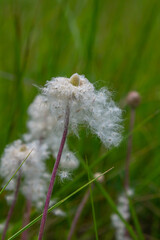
(78, 213)
(129, 149)
(44, 217)
(26, 219)
(12, 207)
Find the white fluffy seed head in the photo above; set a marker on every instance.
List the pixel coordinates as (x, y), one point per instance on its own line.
(40, 122)
(62, 88)
(33, 171)
(87, 106)
(123, 208)
(35, 189)
(64, 175)
(59, 212)
(68, 161)
(45, 127)
(12, 157)
(2, 225)
(10, 198)
(130, 192)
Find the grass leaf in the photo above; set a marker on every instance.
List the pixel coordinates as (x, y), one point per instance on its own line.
(56, 205)
(93, 208)
(15, 172)
(111, 203)
(136, 222)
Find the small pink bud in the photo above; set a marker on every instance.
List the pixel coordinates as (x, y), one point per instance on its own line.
(101, 177)
(133, 99)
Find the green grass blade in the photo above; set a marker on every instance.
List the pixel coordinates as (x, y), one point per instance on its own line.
(56, 205)
(111, 203)
(136, 221)
(93, 208)
(15, 172)
(113, 206)
(92, 35)
(146, 120)
(93, 213)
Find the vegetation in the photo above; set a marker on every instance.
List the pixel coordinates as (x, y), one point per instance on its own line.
(115, 44)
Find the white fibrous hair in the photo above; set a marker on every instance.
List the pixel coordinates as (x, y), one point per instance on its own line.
(42, 125)
(64, 175)
(87, 106)
(68, 159)
(123, 208)
(40, 122)
(16, 152)
(57, 211)
(35, 189)
(34, 179)
(2, 225)
(68, 162)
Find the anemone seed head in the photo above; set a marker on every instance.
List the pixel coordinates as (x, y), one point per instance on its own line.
(88, 106)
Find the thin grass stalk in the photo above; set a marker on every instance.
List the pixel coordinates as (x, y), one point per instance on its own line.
(78, 213)
(26, 218)
(57, 205)
(128, 157)
(15, 172)
(12, 207)
(93, 213)
(92, 204)
(133, 100)
(129, 149)
(136, 221)
(110, 201)
(50, 189)
(92, 35)
(114, 207)
(103, 157)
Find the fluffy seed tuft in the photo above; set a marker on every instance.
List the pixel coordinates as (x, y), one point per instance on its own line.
(94, 108)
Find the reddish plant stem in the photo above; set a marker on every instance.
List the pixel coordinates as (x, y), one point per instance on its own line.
(78, 213)
(12, 207)
(50, 189)
(129, 149)
(128, 157)
(26, 218)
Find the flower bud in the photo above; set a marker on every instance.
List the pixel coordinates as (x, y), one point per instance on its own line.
(133, 99)
(100, 177)
(23, 148)
(74, 80)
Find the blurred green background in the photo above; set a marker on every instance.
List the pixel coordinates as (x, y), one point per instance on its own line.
(114, 44)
